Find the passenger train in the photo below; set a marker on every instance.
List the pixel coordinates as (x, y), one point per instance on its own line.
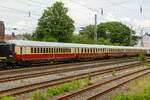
(25, 52)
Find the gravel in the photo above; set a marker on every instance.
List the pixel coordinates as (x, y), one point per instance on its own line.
(23, 82)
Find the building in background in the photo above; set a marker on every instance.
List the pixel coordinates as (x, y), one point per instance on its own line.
(146, 41)
(14, 37)
(2, 30)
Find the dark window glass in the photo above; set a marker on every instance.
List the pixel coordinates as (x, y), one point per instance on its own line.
(46, 50)
(38, 50)
(31, 50)
(21, 50)
(43, 50)
(34, 50)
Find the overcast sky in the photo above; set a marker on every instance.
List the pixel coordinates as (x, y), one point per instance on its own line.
(15, 13)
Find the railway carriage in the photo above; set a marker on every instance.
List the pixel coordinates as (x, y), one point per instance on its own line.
(25, 52)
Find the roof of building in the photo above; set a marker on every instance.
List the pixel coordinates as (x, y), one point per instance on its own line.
(69, 45)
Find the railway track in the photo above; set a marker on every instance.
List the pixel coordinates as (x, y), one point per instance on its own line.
(41, 66)
(60, 66)
(41, 85)
(5, 77)
(94, 92)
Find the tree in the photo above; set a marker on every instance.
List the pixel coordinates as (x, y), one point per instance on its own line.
(28, 36)
(111, 33)
(55, 25)
(78, 38)
(117, 32)
(104, 41)
(88, 31)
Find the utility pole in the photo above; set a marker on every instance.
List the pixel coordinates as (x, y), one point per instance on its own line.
(95, 29)
(142, 44)
(29, 13)
(131, 36)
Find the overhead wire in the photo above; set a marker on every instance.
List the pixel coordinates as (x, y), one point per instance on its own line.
(37, 2)
(76, 2)
(18, 10)
(138, 9)
(23, 11)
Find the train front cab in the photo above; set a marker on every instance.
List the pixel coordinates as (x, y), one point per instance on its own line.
(6, 53)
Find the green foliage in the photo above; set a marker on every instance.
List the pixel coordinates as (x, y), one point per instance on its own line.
(67, 87)
(114, 73)
(141, 57)
(7, 98)
(147, 64)
(88, 31)
(28, 36)
(138, 90)
(111, 33)
(54, 25)
(133, 96)
(82, 39)
(39, 96)
(49, 39)
(55, 90)
(104, 41)
(116, 32)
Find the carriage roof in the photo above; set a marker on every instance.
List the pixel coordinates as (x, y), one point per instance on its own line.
(65, 45)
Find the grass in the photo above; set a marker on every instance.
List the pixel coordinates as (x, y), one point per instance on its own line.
(7, 98)
(39, 96)
(141, 57)
(55, 90)
(114, 73)
(138, 90)
(147, 64)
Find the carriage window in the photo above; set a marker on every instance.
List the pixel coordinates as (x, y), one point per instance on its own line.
(91, 50)
(88, 50)
(38, 50)
(81, 50)
(52, 50)
(70, 50)
(46, 50)
(34, 50)
(57, 50)
(20, 50)
(60, 50)
(49, 50)
(31, 50)
(43, 50)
